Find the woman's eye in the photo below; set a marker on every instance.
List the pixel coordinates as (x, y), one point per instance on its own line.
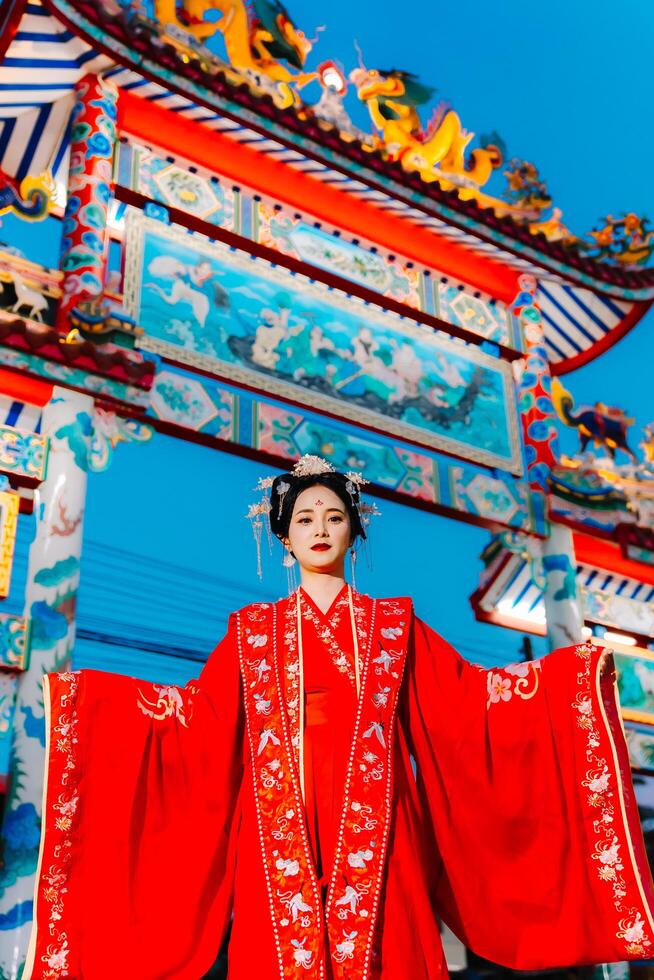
(336, 518)
(304, 520)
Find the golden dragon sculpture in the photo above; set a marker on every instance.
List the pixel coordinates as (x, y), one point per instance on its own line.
(259, 36)
(392, 99)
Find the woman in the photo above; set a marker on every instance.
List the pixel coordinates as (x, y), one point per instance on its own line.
(280, 787)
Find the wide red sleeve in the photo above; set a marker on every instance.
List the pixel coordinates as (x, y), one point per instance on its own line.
(136, 866)
(539, 859)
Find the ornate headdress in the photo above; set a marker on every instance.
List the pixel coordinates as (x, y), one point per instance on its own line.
(308, 465)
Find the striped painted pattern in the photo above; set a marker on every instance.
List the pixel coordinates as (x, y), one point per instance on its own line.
(41, 66)
(521, 598)
(20, 415)
(576, 318)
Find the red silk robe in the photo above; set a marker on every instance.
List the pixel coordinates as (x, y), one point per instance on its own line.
(166, 810)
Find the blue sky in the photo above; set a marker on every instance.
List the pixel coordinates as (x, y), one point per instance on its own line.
(564, 83)
(567, 86)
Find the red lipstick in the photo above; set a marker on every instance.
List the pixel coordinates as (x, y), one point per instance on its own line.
(320, 547)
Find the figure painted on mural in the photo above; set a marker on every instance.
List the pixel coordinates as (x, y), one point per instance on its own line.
(275, 336)
(242, 319)
(336, 781)
(187, 283)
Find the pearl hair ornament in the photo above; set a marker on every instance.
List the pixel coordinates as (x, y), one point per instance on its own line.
(308, 465)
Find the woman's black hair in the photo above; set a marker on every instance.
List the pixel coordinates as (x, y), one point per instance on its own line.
(287, 487)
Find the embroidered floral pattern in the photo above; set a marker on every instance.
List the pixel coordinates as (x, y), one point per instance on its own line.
(169, 703)
(293, 893)
(610, 848)
(353, 894)
(521, 680)
(355, 888)
(326, 631)
(59, 823)
(292, 675)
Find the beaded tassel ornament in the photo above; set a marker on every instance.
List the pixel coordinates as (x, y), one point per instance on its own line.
(258, 514)
(307, 465)
(353, 562)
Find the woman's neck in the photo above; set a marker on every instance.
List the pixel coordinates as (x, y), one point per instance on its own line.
(323, 587)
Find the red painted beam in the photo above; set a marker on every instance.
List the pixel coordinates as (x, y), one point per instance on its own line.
(23, 388)
(220, 154)
(607, 555)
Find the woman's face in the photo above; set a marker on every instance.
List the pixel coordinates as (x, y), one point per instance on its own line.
(319, 533)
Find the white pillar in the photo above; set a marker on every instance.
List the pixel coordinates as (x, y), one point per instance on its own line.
(50, 599)
(563, 607)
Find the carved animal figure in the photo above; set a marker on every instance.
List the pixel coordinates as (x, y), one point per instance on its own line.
(603, 425)
(258, 36)
(392, 98)
(26, 296)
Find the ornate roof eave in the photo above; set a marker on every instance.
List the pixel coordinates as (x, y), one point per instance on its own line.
(580, 322)
(121, 364)
(510, 595)
(503, 237)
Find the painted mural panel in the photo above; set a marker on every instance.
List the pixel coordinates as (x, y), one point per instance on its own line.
(489, 497)
(230, 314)
(483, 316)
(215, 200)
(202, 406)
(169, 183)
(319, 248)
(640, 742)
(620, 611)
(283, 432)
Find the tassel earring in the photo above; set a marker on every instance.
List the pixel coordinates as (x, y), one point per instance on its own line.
(353, 561)
(257, 528)
(289, 563)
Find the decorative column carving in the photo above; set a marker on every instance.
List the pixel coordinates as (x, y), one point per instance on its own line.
(537, 413)
(563, 607)
(85, 236)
